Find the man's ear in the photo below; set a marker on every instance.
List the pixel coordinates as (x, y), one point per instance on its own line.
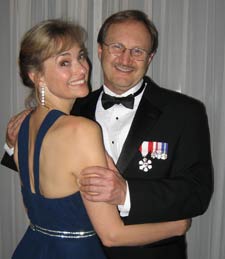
(151, 57)
(99, 51)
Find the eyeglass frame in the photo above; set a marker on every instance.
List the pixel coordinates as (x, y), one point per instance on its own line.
(124, 49)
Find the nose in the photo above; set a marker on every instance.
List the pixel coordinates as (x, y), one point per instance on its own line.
(81, 67)
(125, 57)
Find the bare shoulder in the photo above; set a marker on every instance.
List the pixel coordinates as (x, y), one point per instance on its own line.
(76, 128)
(69, 123)
(74, 141)
(80, 125)
(82, 139)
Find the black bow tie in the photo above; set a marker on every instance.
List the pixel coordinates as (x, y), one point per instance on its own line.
(128, 101)
(108, 101)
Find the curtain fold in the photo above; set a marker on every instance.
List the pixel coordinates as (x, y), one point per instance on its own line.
(190, 59)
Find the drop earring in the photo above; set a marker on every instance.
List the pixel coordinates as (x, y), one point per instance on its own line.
(42, 94)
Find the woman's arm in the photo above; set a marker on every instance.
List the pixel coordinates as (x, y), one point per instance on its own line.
(105, 217)
(13, 127)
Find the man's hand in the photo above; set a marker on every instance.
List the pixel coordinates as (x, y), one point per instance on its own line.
(14, 126)
(103, 184)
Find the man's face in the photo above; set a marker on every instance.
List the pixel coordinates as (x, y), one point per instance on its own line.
(122, 72)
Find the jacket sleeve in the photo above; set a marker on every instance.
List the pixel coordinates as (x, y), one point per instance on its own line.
(8, 161)
(186, 189)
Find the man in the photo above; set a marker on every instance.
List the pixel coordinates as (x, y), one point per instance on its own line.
(158, 139)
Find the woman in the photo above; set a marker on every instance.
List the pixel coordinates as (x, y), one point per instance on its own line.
(54, 147)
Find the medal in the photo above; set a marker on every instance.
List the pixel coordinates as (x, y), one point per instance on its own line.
(157, 150)
(145, 164)
(153, 153)
(164, 151)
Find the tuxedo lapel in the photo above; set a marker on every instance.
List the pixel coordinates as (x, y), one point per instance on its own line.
(145, 118)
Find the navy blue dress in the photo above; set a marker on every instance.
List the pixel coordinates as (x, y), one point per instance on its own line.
(59, 227)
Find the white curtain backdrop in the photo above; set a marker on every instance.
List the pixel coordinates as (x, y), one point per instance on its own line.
(190, 59)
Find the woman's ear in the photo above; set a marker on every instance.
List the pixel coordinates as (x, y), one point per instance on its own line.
(32, 76)
(36, 78)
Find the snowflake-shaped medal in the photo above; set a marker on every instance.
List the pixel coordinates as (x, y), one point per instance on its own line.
(145, 164)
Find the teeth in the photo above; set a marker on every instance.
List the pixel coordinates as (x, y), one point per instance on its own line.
(77, 82)
(124, 68)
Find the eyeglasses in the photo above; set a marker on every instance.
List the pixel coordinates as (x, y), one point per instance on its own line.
(117, 49)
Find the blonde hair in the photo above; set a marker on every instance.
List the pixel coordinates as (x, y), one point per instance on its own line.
(44, 40)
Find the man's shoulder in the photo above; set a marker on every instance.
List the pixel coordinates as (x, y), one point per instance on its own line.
(86, 103)
(92, 95)
(169, 96)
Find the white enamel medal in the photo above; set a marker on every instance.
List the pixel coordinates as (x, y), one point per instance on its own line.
(145, 164)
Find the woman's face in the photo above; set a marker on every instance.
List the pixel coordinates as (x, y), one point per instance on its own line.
(66, 74)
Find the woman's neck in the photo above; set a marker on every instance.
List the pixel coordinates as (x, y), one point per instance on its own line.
(61, 106)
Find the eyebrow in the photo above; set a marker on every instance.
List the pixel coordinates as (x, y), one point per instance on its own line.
(63, 54)
(66, 53)
(137, 47)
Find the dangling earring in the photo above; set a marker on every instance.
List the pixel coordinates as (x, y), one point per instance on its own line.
(42, 94)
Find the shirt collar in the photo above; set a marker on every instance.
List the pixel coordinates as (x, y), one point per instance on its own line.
(128, 92)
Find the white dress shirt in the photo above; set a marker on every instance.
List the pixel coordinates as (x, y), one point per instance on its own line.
(116, 122)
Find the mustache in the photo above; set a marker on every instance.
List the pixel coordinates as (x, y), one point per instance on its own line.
(123, 66)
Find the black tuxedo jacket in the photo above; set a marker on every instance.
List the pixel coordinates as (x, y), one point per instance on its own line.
(177, 187)
(174, 188)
